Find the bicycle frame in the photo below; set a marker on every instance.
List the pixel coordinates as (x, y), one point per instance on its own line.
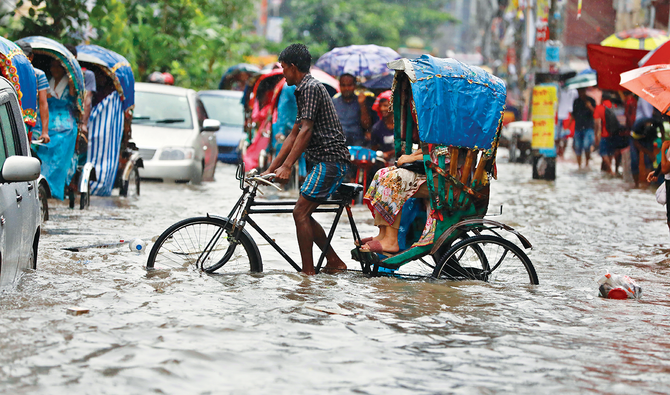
(247, 205)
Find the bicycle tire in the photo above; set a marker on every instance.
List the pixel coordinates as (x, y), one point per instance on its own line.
(183, 243)
(483, 258)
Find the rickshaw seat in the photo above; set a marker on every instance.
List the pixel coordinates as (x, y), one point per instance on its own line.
(345, 193)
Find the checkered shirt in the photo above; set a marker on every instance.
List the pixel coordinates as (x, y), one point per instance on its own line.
(314, 103)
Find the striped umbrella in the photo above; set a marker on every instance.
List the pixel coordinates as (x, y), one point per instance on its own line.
(638, 38)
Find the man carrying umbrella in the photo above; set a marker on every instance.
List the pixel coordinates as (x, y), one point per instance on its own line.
(352, 112)
(317, 132)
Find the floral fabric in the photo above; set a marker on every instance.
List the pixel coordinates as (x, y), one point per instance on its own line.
(390, 189)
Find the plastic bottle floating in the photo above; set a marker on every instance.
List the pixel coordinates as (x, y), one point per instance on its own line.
(137, 245)
(616, 286)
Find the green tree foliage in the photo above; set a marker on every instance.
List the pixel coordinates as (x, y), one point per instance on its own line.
(195, 40)
(52, 18)
(325, 24)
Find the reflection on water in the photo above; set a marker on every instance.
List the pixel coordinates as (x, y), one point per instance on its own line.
(180, 331)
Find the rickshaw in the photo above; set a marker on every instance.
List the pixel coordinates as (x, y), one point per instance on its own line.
(114, 156)
(72, 147)
(258, 115)
(16, 67)
(456, 111)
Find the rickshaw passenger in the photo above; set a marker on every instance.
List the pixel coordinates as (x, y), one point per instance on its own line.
(58, 160)
(317, 132)
(388, 192)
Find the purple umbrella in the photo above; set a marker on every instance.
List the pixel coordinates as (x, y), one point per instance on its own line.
(359, 60)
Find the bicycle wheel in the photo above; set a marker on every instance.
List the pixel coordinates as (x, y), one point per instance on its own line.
(184, 243)
(486, 258)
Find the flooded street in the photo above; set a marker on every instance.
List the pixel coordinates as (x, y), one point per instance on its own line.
(184, 332)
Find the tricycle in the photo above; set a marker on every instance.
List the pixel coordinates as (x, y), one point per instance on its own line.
(110, 149)
(62, 156)
(457, 111)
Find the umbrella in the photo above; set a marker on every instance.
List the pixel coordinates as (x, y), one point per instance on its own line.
(359, 60)
(582, 81)
(660, 55)
(331, 84)
(638, 38)
(242, 67)
(652, 83)
(232, 71)
(610, 62)
(382, 82)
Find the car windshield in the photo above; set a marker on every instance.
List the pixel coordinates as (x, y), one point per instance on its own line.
(164, 110)
(226, 109)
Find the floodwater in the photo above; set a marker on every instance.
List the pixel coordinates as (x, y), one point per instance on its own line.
(184, 332)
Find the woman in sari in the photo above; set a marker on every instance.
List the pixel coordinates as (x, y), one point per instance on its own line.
(57, 156)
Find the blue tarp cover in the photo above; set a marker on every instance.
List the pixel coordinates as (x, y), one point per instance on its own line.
(17, 69)
(116, 64)
(456, 104)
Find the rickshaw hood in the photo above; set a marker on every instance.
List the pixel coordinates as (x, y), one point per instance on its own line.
(456, 104)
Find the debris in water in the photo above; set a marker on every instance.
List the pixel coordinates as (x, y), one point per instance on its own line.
(77, 311)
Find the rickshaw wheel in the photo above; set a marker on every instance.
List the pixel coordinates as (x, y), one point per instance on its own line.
(131, 186)
(182, 245)
(85, 198)
(486, 258)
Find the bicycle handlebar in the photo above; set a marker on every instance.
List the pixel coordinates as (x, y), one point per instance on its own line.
(265, 179)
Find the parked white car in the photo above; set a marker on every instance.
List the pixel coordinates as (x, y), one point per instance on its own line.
(175, 141)
(19, 203)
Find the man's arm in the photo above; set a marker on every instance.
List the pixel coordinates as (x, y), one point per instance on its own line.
(366, 120)
(286, 147)
(298, 147)
(598, 126)
(44, 115)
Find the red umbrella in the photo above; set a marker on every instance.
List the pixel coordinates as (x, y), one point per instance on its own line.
(610, 62)
(660, 55)
(652, 83)
(325, 78)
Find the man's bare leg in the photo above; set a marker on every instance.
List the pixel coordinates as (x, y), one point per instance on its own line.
(333, 262)
(310, 231)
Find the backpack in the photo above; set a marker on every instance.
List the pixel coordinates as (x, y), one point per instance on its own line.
(616, 131)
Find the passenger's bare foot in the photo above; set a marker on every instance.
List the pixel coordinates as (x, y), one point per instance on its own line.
(382, 246)
(309, 271)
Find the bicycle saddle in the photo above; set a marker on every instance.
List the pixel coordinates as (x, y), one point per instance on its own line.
(346, 192)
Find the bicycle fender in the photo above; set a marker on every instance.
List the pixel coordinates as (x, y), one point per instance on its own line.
(87, 174)
(479, 221)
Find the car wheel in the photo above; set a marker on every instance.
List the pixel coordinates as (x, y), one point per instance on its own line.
(44, 203)
(33, 251)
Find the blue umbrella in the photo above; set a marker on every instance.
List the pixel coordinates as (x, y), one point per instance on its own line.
(359, 60)
(382, 82)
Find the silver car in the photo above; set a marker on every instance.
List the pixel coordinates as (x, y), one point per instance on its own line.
(19, 203)
(175, 140)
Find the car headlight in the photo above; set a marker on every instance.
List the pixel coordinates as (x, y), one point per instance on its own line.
(176, 153)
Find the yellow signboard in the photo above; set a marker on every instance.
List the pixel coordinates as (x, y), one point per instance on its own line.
(545, 103)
